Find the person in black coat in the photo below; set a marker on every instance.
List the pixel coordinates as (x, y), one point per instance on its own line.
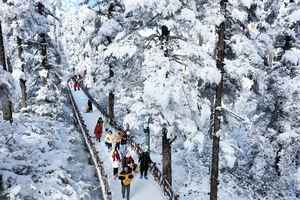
(145, 162)
(123, 143)
(89, 107)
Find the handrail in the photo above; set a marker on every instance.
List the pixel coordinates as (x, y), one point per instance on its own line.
(157, 174)
(102, 177)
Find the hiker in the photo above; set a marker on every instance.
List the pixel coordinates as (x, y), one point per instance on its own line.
(108, 139)
(89, 107)
(129, 161)
(117, 137)
(145, 162)
(115, 162)
(98, 129)
(79, 78)
(72, 82)
(123, 143)
(77, 86)
(126, 177)
(76, 83)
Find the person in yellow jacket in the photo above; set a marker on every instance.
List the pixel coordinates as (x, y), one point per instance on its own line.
(108, 139)
(126, 177)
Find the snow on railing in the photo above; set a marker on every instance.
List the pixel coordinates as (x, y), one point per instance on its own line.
(157, 174)
(106, 193)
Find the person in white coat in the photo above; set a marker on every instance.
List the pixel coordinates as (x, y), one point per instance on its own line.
(115, 162)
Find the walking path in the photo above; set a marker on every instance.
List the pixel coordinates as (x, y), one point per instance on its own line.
(141, 189)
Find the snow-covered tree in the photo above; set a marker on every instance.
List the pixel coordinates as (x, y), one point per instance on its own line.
(173, 77)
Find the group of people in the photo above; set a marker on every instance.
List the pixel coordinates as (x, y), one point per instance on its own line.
(76, 82)
(117, 144)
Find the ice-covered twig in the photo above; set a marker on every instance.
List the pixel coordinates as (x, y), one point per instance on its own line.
(236, 116)
(232, 114)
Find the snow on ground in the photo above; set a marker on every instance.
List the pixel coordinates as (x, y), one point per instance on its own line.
(44, 159)
(141, 189)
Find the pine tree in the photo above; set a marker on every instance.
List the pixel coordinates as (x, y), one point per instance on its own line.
(214, 181)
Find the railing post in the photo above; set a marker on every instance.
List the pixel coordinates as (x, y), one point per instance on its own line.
(166, 156)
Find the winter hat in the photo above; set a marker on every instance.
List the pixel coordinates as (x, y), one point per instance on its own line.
(100, 120)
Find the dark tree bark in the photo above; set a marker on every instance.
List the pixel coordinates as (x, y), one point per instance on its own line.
(211, 118)
(6, 104)
(111, 102)
(111, 97)
(111, 8)
(9, 66)
(24, 92)
(166, 156)
(111, 72)
(164, 39)
(22, 81)
(2, 51)
(277, 159)
(147, 134)
(214, 180)
(44, 56)
(7, 109)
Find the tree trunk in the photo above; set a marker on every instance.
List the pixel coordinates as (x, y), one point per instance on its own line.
(7, 110)
(147, 135)
(9, 66)
(214, 180)
(2, 52)
(166, 157)
(111, 97)
(24, 93)
(6, 104)
(44, 56)
(111, 72)
(111, 102)
(22, 81)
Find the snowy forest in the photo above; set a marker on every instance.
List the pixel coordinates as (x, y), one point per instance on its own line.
(209, 90)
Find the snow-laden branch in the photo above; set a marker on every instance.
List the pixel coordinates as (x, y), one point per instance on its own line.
(236, 116)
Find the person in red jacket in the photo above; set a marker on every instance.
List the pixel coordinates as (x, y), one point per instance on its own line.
(98, 129)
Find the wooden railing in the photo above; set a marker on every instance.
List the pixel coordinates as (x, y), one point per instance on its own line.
(102, 177)
(157, 174)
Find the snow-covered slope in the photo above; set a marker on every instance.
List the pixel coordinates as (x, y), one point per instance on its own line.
(42, 158)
